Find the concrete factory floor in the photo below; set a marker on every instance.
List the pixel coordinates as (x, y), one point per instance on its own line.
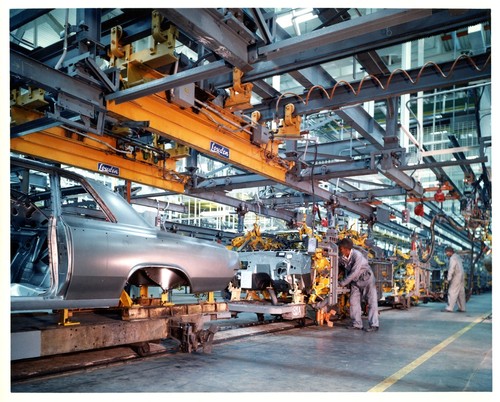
(417, 350)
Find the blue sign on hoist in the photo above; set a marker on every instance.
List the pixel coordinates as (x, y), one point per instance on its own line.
(219, 149)
(108, 169)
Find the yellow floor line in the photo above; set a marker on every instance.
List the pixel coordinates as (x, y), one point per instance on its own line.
(382, 386)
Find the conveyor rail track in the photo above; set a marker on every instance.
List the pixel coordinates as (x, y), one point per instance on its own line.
(73, 363)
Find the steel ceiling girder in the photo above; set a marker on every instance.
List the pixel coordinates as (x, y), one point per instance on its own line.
(262, 24)
(38, 124)
(342, 31)
(327, 171)
(284, 201)
(228, 183)
(429, 79)
(135, 27)
(372, 63)
(21, 17)
(345, 186)
(341, 148)
(36, 74)
(135, 24)
(439, 22)
(264, 90)
(364, 124)
(250, 206)
(330, 16)
(310, 76)
(307, 77)
(223, 34)
(73, 99)
(169, 82)
(217, 185)
(460, 156)
(312, 124)
(431, 163)
(370, 195)
(306, 186)
(399, 177)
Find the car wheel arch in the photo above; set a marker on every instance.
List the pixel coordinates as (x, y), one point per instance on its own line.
(166, 276)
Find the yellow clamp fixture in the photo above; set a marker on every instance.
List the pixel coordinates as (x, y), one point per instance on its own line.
(290, 125)
(239, 94)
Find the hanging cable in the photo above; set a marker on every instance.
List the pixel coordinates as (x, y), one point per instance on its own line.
(431, 227)
(389, 79)
(312, 186)
(65, 46)
(96, 140)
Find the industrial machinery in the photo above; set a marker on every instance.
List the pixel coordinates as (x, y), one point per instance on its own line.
(286, 278)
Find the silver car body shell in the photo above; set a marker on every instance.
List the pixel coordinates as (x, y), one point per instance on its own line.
(92, 260)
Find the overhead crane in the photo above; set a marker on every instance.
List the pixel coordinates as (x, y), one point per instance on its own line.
(170, 121)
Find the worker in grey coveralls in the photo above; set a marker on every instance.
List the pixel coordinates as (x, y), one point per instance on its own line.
(456, 289)
(362, 280)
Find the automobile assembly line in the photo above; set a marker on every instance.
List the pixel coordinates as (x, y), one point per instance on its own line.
(175, 169)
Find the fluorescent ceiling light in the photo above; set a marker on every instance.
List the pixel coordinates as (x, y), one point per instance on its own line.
(299, 15)
(474, 28)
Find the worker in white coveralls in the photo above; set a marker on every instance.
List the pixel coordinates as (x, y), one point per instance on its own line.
(361, 279)
(456, 289)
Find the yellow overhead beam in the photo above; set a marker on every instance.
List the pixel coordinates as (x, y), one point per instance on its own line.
(208, 132)
(92, 153)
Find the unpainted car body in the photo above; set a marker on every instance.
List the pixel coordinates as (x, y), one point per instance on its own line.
(76, 244)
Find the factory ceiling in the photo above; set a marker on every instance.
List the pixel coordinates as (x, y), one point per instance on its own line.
(368, 111)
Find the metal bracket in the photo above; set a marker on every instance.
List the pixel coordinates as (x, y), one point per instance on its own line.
(115, 47)
(91, 116)
(239, 94)
(389, 165)
(260, 133)
(191, 338)
(112, 84)
(139, 67)
(179, 151)
(290, 124)
(389, 158)
(160, 36)
(33, 98)
(65, 318)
